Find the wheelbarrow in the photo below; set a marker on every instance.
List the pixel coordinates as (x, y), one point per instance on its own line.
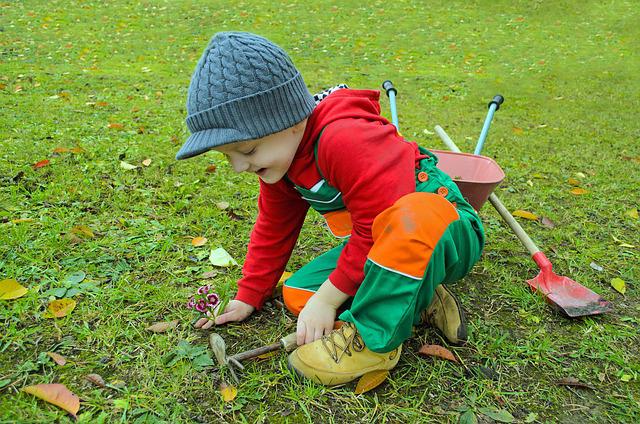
(477, 176)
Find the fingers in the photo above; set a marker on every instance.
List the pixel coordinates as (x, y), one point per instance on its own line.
(301, 332)
(201, 322)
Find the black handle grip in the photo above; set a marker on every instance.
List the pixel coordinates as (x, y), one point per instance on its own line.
(497, 100)
(387, 86)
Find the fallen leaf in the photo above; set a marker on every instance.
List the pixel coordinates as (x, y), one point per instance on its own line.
(162, 327)
(573, 182)
(525, 215)
(210, 169)
(578, 191)
(625, 378)
(11, 289)
(517, 130)
(619, 285)
(439, 351)
(21, 220)
(596, 267)
(222, 205)
(77, 150)
(468, 417)
(61, 150)
(370, 381)
(57, 358)
(146, 162)
(95, 379)
(60, 308)
(199, 241)
(573, 382)
(580, 175)
(633, 213)
(101, 104)
(267, 355)
(547, 222)
(127, 166)
(56, 394)
(115, 126)
(500, 415)
(229, 393)
(40, 164)
(209, 274)
(220, 257)
(82, 230)
(218, 347)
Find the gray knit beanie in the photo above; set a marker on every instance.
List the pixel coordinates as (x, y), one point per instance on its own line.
(244, 87)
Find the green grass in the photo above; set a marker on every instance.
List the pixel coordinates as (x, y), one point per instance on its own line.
(568, 71)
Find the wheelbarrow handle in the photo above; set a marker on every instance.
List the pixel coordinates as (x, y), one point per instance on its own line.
(502, 210)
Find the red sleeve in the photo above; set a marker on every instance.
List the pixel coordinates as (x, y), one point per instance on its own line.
(373, 167)
(281, 213)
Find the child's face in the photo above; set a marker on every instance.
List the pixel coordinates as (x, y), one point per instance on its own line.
(268, 157)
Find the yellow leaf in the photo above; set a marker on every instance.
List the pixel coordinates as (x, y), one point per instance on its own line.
(525, 215)
(633, 213)
(56, 394)
(20, 220)
(11, 289)
(60, 308)
(146, 162)
(371, 380)
(199, 241)
(229, 393)
(115, 126)
(573, 182)
(517, 130)
(77, 150)
(619, 285)
(82, 230)
(267, 355)
(61, 150)
(578, 191)
(57, 358)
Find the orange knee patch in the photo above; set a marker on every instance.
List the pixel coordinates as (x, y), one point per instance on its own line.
(405, 234)
(295, 299)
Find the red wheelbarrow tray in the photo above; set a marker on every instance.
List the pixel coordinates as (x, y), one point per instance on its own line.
(476, 176)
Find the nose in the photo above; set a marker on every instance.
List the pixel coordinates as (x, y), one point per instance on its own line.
(238, 163)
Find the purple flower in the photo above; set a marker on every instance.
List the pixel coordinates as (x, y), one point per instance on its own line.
(192, 303)
(203, 290)
(213, 299)
(201, 306)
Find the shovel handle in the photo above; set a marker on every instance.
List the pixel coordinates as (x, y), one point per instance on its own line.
(391, 91)
(502, 210)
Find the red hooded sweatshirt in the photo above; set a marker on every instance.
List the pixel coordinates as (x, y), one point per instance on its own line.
(360, 154)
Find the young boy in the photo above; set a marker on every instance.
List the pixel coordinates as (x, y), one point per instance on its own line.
(406, 226)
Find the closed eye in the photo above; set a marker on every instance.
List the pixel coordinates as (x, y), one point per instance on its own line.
(250, 152)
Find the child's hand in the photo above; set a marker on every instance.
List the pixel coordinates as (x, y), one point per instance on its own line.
(316, 319)
(236, 310)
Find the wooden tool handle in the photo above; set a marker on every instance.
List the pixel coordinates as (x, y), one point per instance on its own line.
(287, 343)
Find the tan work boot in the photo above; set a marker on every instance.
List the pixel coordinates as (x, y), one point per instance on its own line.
(446, 315)
(340, 357)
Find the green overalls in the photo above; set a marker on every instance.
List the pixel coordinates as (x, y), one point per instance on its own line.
(426, 238)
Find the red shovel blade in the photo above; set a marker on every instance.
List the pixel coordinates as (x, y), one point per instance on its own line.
(568, 296)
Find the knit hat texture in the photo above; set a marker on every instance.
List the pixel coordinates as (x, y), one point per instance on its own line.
(244, 87)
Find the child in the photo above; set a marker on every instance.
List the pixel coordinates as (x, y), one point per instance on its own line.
(409, 229)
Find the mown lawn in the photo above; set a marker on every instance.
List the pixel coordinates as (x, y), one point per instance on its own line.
(110, 78)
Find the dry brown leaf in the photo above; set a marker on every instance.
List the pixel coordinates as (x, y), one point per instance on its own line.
(146, 162)
(370, 381)
(82, 230)
(57, 358)
(517, 130)
(525, 215)
(573, 382)
(77, 150)
(573, 182)
(56, 394)
(547, 222)
(162, 327)
(115, 126)
(578, 191)
(229, 393)
(439, 351)
(60, 308)
(95, 379)
(61, 150)
(210, 169)
(209, 274)
(101, 104)
(199, 241)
